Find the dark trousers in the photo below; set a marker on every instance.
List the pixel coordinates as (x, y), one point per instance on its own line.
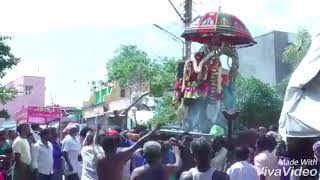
(23, 173)
(44, 177)
(72, 177)
(57, 175)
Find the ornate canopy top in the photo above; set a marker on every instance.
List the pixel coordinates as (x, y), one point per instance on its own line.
(215, 28)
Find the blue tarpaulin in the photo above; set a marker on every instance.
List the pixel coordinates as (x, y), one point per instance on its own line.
(8, 125)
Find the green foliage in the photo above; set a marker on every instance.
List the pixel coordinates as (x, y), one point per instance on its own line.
(296, 51)
(282, 87)
(293, 55)
(132, 66)
(4, 114)
(258, 102)
(166, 114)
(7, 94)
(7, 61)
(129, 66)
(164, 72)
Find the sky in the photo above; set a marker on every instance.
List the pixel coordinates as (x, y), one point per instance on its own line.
(70, 41)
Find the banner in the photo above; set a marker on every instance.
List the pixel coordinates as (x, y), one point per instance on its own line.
(44, 112)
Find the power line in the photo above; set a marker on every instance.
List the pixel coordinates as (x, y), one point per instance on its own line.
(175, 9)
(174, 36)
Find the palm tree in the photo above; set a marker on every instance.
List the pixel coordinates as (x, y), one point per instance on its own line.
(293, 55)
(296, 51)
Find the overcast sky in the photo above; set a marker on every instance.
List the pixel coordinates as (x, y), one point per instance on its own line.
(70, 41)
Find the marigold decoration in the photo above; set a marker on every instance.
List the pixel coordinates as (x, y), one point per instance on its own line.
(200, 88)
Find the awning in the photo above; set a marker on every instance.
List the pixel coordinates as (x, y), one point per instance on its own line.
(302, 100)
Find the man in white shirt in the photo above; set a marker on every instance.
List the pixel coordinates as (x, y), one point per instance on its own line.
(35, 132)
(42, 156)
(242, 169)
(21, 150)
(91, 153)
(71, 148)
(266, 161)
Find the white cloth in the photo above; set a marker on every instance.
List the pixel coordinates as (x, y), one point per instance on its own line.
(22, 147)
(36, 136)
(243, 170)
(126, 167)
(218, 162)
(42, 158)
(275, 135)
(72, 146)
(197, 175)
(266, 160)
(302, 99)
(90, 155)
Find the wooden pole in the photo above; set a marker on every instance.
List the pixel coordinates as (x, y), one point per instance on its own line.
(230, 116)
(187, 23)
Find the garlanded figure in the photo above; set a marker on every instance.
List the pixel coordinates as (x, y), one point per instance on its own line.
(203, 88)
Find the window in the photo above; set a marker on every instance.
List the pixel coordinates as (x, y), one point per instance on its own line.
(28, 89)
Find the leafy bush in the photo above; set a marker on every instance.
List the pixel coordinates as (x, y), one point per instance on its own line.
(259, 103)
(4, 114)
(166, 113)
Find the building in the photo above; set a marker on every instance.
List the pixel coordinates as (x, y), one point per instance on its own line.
(107, 103)
(264, 60)
(31, 92)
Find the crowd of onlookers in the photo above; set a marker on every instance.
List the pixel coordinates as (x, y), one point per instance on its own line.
(89, 154)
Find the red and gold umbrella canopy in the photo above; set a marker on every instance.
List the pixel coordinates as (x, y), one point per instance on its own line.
(216, 27)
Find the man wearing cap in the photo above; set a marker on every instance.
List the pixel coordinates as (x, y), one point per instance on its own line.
(71, 148)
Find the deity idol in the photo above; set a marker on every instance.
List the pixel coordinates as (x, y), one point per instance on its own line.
(203, 89)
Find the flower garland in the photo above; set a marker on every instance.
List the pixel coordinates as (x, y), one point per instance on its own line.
(215, 80)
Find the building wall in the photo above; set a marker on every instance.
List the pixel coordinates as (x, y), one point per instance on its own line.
(264, 60)
(258, 60)
(281, 43)
(33, 96)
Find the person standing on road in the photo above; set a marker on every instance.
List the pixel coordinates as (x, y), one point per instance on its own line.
(57, 155)
(71, 148)
(22, 154)
(242, 168)
(42, 156)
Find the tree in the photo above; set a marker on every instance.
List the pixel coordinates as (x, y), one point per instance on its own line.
(7, 94)
(282, 87)
(296, 51)
(164, 73)
(259, 103)
(166, 113)
(130, 66)
(293, 55)
(7, 61)
(4, 114)
(163, 81)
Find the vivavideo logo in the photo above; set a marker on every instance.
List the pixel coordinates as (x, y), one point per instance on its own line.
(297, 172)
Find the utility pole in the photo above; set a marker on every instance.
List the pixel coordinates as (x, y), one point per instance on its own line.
(187, 22)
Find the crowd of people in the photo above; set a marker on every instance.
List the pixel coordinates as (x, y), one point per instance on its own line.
(90, 154)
